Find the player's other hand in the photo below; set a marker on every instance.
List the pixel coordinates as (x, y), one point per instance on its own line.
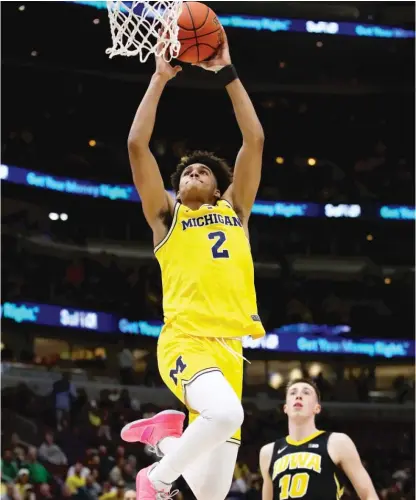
(220, 59)
(165, 69)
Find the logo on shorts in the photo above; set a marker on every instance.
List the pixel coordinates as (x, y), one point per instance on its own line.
(179, 368)
(255, 317)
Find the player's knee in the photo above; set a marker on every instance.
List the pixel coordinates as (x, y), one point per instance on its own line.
(229, 418)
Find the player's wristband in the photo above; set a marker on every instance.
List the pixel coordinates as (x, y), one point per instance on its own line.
(226, 75)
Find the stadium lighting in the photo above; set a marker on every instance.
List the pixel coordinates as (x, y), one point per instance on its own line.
(387, 281)
(34, 53)
(280, 160)
(64, 217)
(370, 237)
(295, 373)
(22, 8)
(92, 143)
(96, 21)
(315, 370)
(311, 162)
(53, 216)
(275, 380)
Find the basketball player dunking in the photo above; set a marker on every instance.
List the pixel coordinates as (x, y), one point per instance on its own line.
(306, 463)
(209, 300)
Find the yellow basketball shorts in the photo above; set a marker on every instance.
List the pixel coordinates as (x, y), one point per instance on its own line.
(183, 358)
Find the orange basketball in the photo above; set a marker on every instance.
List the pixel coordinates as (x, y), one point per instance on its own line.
(199, 32)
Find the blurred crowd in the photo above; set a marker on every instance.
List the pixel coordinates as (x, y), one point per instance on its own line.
(77, 453)
(370, 304)
(361, 146)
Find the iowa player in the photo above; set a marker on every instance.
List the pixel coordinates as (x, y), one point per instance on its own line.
(201, 243)
(307, 463)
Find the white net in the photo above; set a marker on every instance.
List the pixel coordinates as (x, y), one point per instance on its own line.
(144, 28)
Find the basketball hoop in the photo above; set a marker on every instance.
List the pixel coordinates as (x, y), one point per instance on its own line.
(143, 28)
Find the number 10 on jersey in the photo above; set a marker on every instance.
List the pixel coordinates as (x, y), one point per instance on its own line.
(293, 486)
(219, 239)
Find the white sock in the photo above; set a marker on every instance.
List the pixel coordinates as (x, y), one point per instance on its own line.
(220, 415)
(168, 444)
(159, 485)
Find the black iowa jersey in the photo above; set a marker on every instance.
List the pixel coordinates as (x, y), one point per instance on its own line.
(304, 469)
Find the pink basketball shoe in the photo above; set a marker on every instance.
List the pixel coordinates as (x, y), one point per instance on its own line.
(145, 490)
(150, 431)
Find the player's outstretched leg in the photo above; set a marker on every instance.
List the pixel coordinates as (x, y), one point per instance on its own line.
(220, 415)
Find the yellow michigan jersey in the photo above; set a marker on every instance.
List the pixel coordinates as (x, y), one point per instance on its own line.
(208, 274)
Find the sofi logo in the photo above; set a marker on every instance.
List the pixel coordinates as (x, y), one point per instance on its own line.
(339, 211)
(79, 319)
(20, 313)
(322, 27)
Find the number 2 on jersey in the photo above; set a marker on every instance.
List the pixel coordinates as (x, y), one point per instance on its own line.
(293, 486)
(217, 253)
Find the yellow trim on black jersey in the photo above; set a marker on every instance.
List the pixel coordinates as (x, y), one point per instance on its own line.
(340, 490)
(292, 442)
(172, 227)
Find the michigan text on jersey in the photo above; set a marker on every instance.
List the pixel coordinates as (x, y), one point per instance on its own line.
(209, 219)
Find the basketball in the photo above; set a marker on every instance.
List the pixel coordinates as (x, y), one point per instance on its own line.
(199, 32)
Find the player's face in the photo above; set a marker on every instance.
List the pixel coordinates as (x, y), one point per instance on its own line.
(301, 401)
(198, 182)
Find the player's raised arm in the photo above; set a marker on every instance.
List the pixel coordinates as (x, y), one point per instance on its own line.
(247, 171)
(146, 174)
(265, 459)
(345, 455)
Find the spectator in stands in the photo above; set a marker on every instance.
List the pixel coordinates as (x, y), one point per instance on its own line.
(9, 492)
(75, 481)
(38, 473)
(51, 452)
(108, 493)
(44, 492)
(8, 466)
(78, 469)
(121, 487)
(17, 447)
(64, 393)
(23, 486)
(125, 363)
(106, 461)
(92, 488)
(116, 472)
(129, 475)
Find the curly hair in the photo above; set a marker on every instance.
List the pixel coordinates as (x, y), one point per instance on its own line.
(219, 167)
